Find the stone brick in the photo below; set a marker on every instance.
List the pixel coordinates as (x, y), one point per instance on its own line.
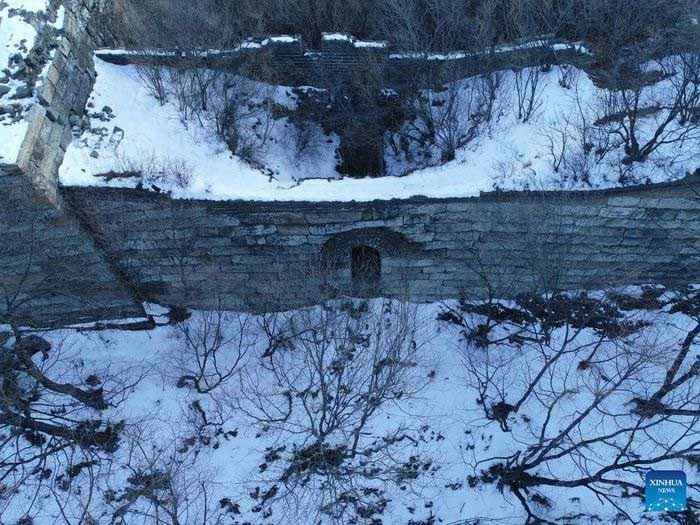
(115, 243)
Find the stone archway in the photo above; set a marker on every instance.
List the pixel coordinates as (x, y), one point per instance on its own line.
(362, 262)
(365, 269)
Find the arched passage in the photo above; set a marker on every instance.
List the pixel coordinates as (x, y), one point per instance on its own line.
(360, 262)
(365, 268)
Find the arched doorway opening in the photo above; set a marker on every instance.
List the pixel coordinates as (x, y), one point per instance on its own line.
(365, 269)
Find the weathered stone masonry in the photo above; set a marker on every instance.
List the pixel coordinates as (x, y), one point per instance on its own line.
(62, 95)
(270, 255)
(78, 254)
(283, 60)
(51, 271)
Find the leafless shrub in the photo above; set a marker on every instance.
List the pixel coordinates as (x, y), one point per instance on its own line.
(307, 141)
(568, 148)
(528, 92)
(166, 484)
(578, 379)
(654, 112)
(452, 117)
(567, 75)
(215, 344)
(149, 169)
(155, 81)
(326, 375)
(243, 116)
(557, 138)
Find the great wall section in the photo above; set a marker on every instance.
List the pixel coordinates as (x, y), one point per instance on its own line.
(52, 271)
(74, 254)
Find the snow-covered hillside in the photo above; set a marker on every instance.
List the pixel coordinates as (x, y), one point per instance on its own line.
(129, 131)
(465, 391)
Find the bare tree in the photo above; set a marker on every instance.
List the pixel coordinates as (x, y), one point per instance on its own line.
(450, 118)
(242, 116)
(154, 79)
(51, 420)
(654, 111)
(534, 25)
(423, 27)
(577, 380)
(215, 344)
(326, 376)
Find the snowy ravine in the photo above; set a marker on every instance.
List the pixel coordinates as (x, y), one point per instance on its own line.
(128, 130)
(213, 458)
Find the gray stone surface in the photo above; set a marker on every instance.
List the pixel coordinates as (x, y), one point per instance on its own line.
(51, 269)
(76, 254)
(277, 255)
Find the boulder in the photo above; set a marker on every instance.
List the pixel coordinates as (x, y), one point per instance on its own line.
(23, 92)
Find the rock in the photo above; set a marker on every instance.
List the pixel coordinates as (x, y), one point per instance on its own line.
(85, 124)
(75, 121)
(107, 110)
(54, 116)
(4, 90)
(23, 92)
(94, 154)
(20, 73)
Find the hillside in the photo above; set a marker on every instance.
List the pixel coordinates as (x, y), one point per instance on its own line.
(115, 147)
(221, 427)
(349, 262)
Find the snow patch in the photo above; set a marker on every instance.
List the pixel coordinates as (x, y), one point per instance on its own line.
(509, 155)
(17, 38)
(334, 37)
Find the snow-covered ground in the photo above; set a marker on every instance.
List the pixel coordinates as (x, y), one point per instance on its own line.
(19, 21)
(221, 458)
(507, 154)
(140, 131)
(16, 36)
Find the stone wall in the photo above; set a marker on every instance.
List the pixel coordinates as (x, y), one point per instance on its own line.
(51, 272)
(63, 93)
(79, 254)
(273, 255)
(46, 255)
(282, 59)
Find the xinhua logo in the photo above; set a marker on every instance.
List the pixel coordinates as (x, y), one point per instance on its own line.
(665, 491)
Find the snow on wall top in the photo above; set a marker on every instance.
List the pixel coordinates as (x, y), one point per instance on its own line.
(247, 44)
(577, 47)
(342, 37)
